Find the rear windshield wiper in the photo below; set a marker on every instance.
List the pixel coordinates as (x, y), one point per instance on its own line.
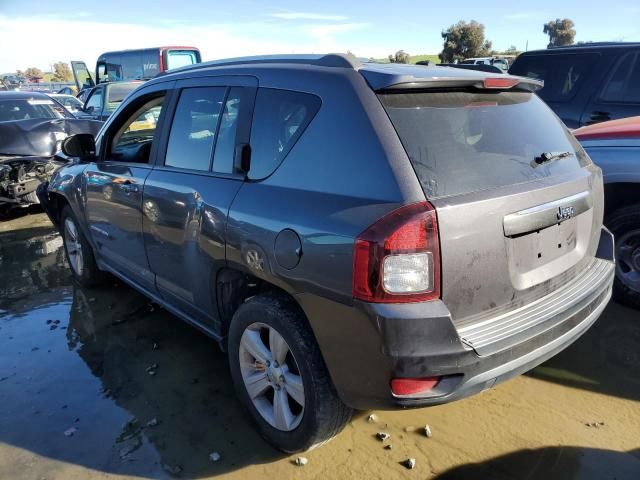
(546, 157)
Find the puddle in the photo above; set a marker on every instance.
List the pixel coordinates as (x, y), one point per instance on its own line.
(79, 361)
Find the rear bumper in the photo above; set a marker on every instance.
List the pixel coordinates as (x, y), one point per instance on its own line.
(366, 346)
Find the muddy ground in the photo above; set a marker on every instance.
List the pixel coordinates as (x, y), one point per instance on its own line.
(75, 361)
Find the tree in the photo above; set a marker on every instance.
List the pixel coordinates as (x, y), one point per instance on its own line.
(400, 57)
(61, 72)
(561, 32)
(464, 40)
(33, 72)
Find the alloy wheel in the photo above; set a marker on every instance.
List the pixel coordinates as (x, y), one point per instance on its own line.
(628, 259)
(271, 376)
(74, 247)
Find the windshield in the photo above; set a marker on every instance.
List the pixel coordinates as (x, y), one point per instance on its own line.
(181, 58)
(28, 108)
(460, 141)
(118, 92)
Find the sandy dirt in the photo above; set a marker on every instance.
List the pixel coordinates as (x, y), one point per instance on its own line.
(75, 361)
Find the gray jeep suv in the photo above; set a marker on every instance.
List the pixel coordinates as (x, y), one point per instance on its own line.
(355, 235)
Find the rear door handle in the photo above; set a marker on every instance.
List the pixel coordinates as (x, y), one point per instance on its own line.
(599, 116)
(129, 187)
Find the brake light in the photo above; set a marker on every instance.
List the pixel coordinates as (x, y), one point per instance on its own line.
(500, 82)
(397, 259)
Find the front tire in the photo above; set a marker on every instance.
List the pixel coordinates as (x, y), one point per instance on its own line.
(78, 251)
(280, 376)
(624, 223)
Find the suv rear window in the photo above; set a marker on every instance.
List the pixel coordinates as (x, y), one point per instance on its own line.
(460, 141)
(563, 74)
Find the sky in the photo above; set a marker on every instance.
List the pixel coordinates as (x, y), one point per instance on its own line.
(39, 33)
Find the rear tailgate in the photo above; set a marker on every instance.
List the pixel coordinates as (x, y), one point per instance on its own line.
(519, 203)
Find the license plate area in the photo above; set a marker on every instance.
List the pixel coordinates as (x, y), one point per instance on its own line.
(542, 254)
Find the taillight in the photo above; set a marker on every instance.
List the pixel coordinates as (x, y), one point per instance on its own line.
(500, 82)
(397, 259)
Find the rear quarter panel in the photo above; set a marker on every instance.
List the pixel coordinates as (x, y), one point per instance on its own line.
(347, 170)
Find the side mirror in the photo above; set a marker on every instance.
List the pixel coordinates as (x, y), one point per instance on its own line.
(89, 109)
(81, 145)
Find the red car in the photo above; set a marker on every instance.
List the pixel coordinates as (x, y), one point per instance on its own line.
(615, 147)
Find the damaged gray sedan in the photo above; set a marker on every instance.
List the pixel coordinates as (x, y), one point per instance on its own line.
(32, 127)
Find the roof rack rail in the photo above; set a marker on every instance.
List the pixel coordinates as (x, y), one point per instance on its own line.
(592, 44)
(336, 60)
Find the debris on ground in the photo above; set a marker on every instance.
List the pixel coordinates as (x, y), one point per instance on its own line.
(151, 369)
(382, 436)
(427, 431)
(595, 424)
(153, 422)
(388, 447)
(156, 346)
(301, 461)
(409, 463)
(372, 418)
(214, 456)
(70, 431)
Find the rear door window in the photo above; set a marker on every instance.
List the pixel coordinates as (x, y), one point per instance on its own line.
(279, 118)
(226, 141)
(624, 83)
(563, 74)
(462, 141)
(194, 128)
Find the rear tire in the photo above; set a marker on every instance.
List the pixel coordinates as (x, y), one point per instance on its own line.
(624, 223)
(78, 252)
(268, 320)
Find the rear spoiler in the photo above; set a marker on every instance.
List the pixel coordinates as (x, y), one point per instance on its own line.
(503, 82)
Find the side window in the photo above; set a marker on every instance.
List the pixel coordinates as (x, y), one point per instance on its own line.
(132, 142)
(563, 74)
(102, 72)
(132, 66)
(226, 142)
(279, 118)
(193, 129)
(623, 84)
(150, 63)
(95, 100)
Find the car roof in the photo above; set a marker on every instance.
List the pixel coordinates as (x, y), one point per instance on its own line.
(622, 128)
(593, 46)
(379, 76)
(19, 95)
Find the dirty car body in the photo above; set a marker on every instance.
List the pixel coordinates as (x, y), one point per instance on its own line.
(430, 231)
(30, 147)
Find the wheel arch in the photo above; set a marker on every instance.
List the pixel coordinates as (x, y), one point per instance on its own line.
(619, 195)
(234, 287)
